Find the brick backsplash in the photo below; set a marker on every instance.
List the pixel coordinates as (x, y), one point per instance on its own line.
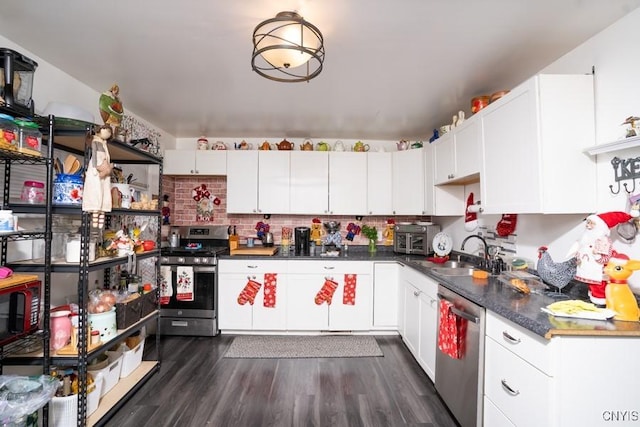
(183, 210)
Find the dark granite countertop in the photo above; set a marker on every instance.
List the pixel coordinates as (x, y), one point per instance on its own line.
(523, 310)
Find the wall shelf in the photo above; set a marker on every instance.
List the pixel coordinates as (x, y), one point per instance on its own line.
(619, 145)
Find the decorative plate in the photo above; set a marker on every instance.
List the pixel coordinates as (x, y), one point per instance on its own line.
(442, 244)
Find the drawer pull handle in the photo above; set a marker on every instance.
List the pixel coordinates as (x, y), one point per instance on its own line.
(181, 323)
(328, 267)
(416, 293)
(509, 338)
(252, 266)
(508, 389)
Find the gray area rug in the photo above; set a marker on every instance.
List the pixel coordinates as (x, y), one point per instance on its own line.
(296, 346)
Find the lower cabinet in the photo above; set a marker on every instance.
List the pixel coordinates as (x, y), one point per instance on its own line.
(385, 295)
(419, 317)
(238, 278)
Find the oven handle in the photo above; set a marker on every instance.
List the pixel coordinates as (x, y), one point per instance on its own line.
(460, 313)
(204, 269)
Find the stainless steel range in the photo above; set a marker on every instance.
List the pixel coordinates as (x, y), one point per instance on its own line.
(189, 304)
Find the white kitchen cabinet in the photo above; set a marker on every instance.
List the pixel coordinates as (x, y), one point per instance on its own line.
(306, 278)
(408, 182)
(379, 183)
(233, 276)
(457, 153)
(440, 199)
(309, 183)
(385, 295)
(257, 181)
(195, 162)
(532, 148)
(561, 381)
(420, 317)
(347, 183)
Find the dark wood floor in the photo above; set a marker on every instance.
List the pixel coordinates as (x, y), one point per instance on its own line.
(196, 386)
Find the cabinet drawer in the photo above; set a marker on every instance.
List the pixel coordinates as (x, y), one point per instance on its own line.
(532, 348)
(519, 390)
(421, 281)
(249, 266)
(330, 267)
(493, 417)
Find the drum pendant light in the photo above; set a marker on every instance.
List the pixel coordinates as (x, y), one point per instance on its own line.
(287, 49)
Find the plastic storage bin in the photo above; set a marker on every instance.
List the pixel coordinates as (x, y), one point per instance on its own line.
(29, 137)
(9, 133)
(131, 359)
(64, 410)
(32, 192)
(67, 189)
(18, 87)
(110, 374)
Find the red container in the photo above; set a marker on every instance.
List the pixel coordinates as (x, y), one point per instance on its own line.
(479, 102)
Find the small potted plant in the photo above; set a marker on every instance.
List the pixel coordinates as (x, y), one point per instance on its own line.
(370, 233)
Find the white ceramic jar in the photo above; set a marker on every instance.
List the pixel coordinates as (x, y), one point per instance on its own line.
(6, 220)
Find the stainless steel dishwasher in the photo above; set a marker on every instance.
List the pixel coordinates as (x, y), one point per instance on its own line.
(460, 382)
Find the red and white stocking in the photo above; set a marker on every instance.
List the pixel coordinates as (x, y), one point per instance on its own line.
(249, 292)
(507, 225)
(349, 293)
(326, 292)
(270, 281)
(470, 218)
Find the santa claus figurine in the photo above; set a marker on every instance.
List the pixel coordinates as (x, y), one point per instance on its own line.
(594, 250)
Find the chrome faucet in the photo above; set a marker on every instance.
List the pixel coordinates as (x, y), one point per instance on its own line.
(486, 246)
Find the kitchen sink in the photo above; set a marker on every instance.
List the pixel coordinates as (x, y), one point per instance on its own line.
(446, 265)
(453, 271)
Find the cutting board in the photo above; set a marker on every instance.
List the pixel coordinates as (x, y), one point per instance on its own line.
(256, 250)
(17, 279)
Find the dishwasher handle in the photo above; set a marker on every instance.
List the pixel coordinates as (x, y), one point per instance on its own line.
(460, 313)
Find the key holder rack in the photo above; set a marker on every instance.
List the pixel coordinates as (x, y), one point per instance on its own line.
(625, 170)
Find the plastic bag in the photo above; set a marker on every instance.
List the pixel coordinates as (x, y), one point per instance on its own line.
(20, 396)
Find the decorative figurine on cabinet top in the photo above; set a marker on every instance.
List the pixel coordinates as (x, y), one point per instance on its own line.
(111, 109)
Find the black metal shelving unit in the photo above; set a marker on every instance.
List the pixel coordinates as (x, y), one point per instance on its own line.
(71, 136)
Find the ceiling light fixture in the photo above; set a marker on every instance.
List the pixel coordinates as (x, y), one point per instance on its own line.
(287, 49)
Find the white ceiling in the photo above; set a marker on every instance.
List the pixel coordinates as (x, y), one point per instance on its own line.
(394, 69)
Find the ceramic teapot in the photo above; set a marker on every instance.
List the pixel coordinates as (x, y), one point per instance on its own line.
(307, 146)
(203, 143)
(338, 146)
(219, 145)
(264, 146)
(285, 145)
(360, 146)
(402, 145)
(244, 145)
(323, 146)
(417, 144)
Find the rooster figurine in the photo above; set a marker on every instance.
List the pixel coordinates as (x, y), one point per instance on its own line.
(557, 274)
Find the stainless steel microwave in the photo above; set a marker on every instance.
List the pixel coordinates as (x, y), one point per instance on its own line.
(414, 239)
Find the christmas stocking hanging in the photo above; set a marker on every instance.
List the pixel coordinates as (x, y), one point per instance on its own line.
(507, 225)
(326, 292)
(249, 292)
(470, 218)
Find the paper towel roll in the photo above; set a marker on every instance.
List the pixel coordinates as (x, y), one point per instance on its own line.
(474, 208)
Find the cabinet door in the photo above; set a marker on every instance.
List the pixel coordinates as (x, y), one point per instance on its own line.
(303, 314)
(232, 315)
(408, 182)
(467, 149)
(211, 162)
(379, 183)
(356, 317)
(385, 295)
(444, 155)
(347, 183)
(428, 334)
(242, 181)
(440, 199)
(309, 186)
(411, 317)
(273, 181)
(179, 162)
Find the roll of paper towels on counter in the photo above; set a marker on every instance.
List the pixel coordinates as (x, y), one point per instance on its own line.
(474, 209)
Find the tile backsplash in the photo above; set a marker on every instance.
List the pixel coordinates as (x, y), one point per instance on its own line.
(183, 211)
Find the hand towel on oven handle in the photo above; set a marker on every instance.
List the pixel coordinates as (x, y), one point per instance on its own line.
(184, 288)
(166, 285)
(452, 331)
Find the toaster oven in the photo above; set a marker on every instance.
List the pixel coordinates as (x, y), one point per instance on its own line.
(414, 239)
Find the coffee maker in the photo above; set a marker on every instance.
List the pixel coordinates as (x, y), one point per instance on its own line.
(302, 238)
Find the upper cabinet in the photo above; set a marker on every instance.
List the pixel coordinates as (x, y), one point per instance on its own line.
(347, 183)
(408, 182)
(309, 186)
(532, 142)
(379, 183)
(195, 162)
(440, 200)
(457, 153)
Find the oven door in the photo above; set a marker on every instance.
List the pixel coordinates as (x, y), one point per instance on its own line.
(418, 243)
(204, 295)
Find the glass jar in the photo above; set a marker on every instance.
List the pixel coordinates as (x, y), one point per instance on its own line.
(32, 192)
(29, 137)
(8, 133)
